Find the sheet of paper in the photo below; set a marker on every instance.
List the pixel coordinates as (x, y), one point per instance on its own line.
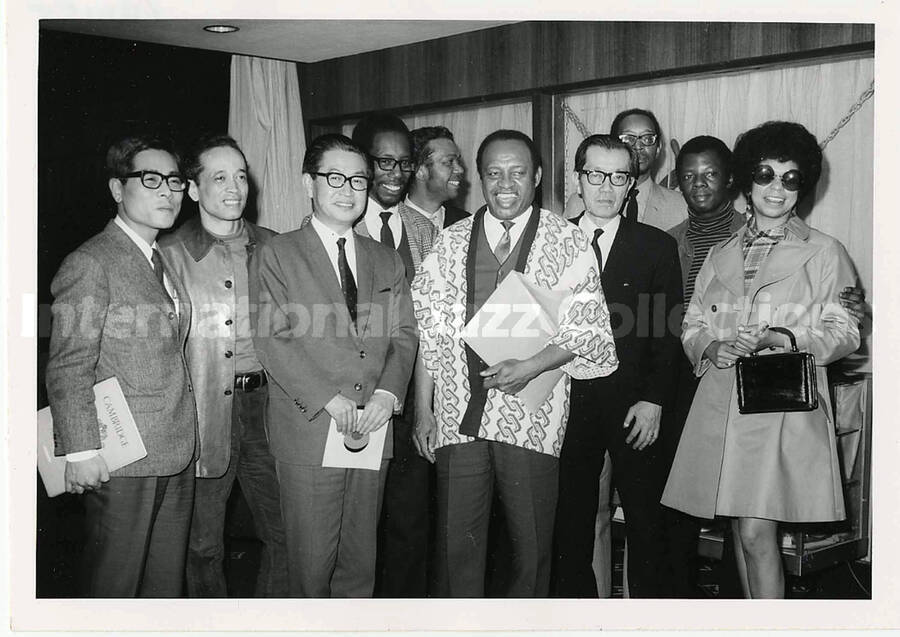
(119, 436)
(353, 454)
(517, 321)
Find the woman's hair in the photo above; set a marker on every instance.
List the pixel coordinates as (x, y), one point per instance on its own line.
(781, 141)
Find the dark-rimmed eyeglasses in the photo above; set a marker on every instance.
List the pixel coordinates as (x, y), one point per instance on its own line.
(597, 177)
(387, 164)
(337, 180)
(644, 140)
(792, 180)
(153, 180)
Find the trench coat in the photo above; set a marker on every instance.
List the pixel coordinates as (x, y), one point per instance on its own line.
(777, 466)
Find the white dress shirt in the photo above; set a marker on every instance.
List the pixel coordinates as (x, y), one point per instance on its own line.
(436, 218)
(605, 240)
(329, 239)
(493, 228)
(147, 250)
(372, 219)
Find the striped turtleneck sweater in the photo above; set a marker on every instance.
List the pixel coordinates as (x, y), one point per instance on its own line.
(703, 235)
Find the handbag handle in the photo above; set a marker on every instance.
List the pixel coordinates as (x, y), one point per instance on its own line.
(786, 332)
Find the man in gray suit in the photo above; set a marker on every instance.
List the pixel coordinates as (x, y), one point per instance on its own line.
(117, 313)
(336, 334)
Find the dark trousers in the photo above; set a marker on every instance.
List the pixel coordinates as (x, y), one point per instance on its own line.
(254, 468)
(681, 532)
(136, 536)
(403, 555)
(526, 483)
(597, 414)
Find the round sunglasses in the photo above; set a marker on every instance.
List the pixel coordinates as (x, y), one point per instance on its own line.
(792, 180)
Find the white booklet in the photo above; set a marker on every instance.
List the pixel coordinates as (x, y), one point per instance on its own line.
(120, 440)
(353, 451)
(517, 321)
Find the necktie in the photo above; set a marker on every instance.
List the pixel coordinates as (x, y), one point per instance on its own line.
(503, 246)
(631, 209)
(387, 237)
(596, 245)
(348, 283)
(159, 271)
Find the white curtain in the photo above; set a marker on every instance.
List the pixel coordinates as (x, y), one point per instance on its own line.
(818, 95)
(266, 120)
(469, 126)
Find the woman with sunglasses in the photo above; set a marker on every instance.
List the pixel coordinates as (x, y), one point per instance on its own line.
(762, 469)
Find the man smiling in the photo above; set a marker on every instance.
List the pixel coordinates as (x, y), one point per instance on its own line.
(438, 176)
(481, 436)
(211, 253)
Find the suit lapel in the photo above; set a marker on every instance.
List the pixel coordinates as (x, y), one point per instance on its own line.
(321, 269)
(365, 277)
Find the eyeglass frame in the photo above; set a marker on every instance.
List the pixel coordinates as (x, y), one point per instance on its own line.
(770, 174)
(345, 179)
(605, 176)
(394, 163)
(162, 178)
(639, 138)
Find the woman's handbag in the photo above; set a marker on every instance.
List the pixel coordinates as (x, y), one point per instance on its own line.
(777, 382)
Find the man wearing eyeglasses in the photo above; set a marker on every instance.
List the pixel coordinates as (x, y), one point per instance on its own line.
(119, 312)
(620, 413)
(337, 338)
(211, 253)
(648, 202)
(403, 540)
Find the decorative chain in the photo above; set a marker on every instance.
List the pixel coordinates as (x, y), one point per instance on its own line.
(863, 98)
(570, 114)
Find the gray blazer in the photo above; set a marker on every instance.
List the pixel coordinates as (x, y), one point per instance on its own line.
(112, 318)
(310, 350)
(420, 232)
(665, 208)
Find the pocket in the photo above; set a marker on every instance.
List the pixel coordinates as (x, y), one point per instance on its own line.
(146, 403)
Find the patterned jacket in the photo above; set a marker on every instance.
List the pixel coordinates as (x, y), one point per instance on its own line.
(560, 259)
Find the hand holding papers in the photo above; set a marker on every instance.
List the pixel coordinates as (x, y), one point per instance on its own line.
(119, 436)
(516, 322)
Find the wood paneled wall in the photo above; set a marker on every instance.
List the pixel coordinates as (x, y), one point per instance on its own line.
(541, 56)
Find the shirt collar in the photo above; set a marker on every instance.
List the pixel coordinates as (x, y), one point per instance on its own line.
(428, 215)
(376, 208)
(198, 241)
(588, 224)
(146, 248)
(329, 236)
(522, 219)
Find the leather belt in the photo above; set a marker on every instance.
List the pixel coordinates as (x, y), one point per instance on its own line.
(250, 381)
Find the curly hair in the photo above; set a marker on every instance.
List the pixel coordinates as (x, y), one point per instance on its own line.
(420, 139)
(373, 124)
(781, 141)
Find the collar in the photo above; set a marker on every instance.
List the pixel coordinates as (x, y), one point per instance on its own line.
(198, 241)
(428, 215)
(778, 233)
(146, 248)
(520, 221)
(329, 236)
(376, 208)
(588, 225)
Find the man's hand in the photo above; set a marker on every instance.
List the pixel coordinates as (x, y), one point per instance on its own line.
(86, 475)
(343, 410)
(644, 416)
(425, 433)
(854, 301)
(377, 412)
(509, 376)
(722, 354)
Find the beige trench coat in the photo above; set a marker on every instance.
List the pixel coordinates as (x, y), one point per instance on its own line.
(778, 466)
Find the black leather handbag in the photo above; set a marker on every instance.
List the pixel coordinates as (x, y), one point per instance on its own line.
(777, 382)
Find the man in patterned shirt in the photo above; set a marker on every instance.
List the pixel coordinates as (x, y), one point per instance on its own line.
(482, 437)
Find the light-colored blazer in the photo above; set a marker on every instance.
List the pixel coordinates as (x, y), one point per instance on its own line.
(112, 318)
(310, 349)
(419, 231)
(665, 208)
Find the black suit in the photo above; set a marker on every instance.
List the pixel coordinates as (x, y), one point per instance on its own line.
(642, 285)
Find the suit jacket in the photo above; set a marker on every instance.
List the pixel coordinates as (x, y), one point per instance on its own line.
(664, 209)
(112, 318)
(198, 261)
(310, 349)
(419, 232)
(641, 281)
(452, 214)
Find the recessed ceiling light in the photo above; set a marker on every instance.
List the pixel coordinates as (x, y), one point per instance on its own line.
(221, 28)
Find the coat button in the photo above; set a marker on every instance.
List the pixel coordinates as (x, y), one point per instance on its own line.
(362, 354)
(229, 354)
(171, 316)
(713, 308)
(228, 284)
(228, 392)
(228, 322)
(357, 387)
